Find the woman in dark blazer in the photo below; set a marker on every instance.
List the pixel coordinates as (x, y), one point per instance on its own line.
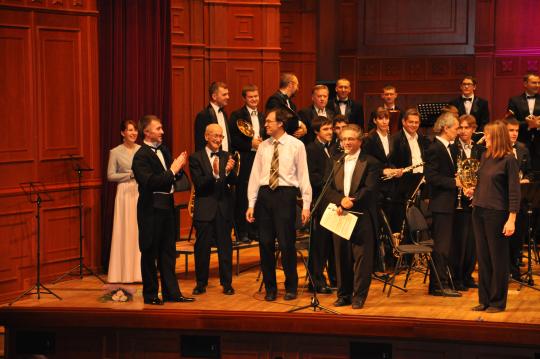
(496, 202)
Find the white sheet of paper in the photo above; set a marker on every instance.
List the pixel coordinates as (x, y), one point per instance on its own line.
(342, 225)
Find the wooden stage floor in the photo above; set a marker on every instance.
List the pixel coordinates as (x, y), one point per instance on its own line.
(413, 315)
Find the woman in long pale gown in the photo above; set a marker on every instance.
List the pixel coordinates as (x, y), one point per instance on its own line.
(125, 258)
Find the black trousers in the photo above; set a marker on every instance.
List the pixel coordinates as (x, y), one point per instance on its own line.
(220, 230)
(463, 251)
(319, 251)
(516, 242)
(162, 251)
(354, 262)
(275, 211)
(492, 247)
(442, 227)
(240, 207)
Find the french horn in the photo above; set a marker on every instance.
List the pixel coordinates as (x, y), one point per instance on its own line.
(466, 172)
(245, 128)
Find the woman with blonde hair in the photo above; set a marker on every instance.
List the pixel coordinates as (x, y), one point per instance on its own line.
(496, 202)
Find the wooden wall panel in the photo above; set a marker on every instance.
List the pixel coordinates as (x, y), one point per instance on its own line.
(48, 94)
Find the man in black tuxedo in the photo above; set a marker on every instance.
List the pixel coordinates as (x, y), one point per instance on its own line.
(389, 96)
(344, 105)
(440, 172)
(282, 98)
(526, 109)
(354, 187)
(155, 173)
(340, 122)
(463, 251)
(246, 145)
(214, 113)
(523, 157)
(408, 148)
(212, 173)
(319, 98)
(470, 104)
(318, 159)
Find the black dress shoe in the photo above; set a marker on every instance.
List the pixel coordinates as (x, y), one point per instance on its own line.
(342, 301)
(494, 310)
(461, 287)
(470, 283)
(324, 290)
(270, 296)
(199, 290)
(479, 308)
(358, 303)
(446, 292)
(153, 301)
(228, 290)
(179, 299)
(290, 296)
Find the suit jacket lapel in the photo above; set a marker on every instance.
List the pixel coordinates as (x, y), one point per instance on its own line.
(339, 176)
(380, 146)
(212, 113)
(153, 155)
(536, 110)
(461, 105)
(357, 174)
(474, 107)
(206, 162)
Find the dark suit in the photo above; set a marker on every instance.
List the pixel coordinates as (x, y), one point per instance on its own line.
(156, 222)
(531, 138)
(307, 115)
(279, 100)
(353, 112)
(354, 258)
(212, 215)
(203, 119)
(242, 144)
(463, 251)
(517, 239)
(321, 239)
(440, 172)
(479, 109)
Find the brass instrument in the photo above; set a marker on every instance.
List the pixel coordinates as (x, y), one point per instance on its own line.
(466, 172)
(245, 127)
(482, 139)
(191, 202)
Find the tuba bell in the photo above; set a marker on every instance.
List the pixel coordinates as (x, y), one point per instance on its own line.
(245, 127)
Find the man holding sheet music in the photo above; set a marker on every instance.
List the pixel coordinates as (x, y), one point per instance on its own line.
(354, 188)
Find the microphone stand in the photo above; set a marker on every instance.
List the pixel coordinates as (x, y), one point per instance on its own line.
(314, 303)
(81, 266)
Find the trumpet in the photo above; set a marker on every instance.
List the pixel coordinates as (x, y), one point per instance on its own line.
(245, 127)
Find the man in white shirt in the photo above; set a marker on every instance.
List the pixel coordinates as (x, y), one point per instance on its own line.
(213, 113)
(279, 171)
(354, 187)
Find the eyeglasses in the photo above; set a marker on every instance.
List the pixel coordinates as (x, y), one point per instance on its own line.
(269, 121)
(467, 84)
(217, 136)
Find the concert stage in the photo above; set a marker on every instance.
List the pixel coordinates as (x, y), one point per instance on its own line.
(406, 325)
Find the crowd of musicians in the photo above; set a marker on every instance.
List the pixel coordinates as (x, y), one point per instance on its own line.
(286, 160)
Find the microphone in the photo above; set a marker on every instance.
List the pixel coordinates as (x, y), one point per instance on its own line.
(342, 157)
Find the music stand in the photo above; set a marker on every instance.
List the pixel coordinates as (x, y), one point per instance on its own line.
(530, 194)
(429, 112)
(79, 170)
(35, 193)
(314, 303)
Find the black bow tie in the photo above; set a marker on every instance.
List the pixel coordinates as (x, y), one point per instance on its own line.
(467, 99)
(212, 154)
(326, 145)
(530, 97)
(158, 148)
(343, 101)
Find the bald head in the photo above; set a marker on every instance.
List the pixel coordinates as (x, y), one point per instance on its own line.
(213, 136)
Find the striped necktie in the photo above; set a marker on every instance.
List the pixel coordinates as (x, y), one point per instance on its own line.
(274, 168)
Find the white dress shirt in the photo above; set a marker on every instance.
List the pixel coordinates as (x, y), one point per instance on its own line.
(211, 159)
(416, 154)
(343, 107)
(385, 142)
(348, 170)
(530, 102)
(161, 159)
(293, 169)
(222, 123)
(466, 148)
(320, 111)
(253, 114)
(468, 104)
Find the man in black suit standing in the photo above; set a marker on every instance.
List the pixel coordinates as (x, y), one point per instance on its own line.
(212, 173)
(156, 172)
(282, 98)
(319, 98)
(389, 96)
(213, 113)
(342, 104)
(318, 158)
(526, 109)
(463, 251)
(440, 171)
(408, 149)
(246, 143)
(470, 104)
(354, 187)
(523, 157)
